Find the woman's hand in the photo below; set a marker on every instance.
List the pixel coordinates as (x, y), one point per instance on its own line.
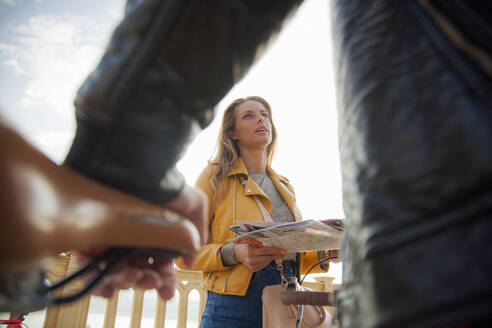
(257, 258)
(333, 255)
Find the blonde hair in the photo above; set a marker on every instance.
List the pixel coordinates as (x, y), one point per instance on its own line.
(227, 150)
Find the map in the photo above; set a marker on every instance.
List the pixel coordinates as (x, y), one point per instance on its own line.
(307, 235)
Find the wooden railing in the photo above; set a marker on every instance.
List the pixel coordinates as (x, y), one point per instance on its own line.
(76, 314)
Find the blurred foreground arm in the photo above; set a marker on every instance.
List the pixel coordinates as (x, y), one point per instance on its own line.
(47, 209)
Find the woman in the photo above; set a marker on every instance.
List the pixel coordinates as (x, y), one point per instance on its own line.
(235, 274)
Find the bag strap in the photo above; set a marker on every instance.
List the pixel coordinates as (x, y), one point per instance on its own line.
(267, 218)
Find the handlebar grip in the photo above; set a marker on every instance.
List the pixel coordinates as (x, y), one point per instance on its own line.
(308, 297)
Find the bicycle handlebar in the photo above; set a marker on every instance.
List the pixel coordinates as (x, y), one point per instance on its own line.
(308, 297)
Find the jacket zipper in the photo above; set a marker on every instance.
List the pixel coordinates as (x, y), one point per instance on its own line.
(227, 279)
(235, 191)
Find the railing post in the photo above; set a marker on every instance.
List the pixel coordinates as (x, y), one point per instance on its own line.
(136, 315)
(110, 312)
(73, 315)
(328, 286)
(56, 271)
(160, 313)
(182, 305)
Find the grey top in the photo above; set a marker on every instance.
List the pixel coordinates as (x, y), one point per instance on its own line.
(280, 210)
(280, 213)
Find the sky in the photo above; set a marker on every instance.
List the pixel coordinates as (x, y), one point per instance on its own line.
(48, 47)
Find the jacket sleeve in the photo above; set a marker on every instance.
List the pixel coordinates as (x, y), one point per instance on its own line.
(151, 91)
(208, 258)
(308, 259)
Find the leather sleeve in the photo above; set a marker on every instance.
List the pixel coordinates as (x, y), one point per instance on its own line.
(167, 65)
(415, 139)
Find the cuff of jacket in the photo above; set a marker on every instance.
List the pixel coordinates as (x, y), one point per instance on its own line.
(227, 255)
(125, 161)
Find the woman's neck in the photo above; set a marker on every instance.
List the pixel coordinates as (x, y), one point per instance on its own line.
(255, 160)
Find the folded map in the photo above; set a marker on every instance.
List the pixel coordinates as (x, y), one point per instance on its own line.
(307, 235)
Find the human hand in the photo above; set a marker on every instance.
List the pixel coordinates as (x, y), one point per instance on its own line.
(192, 204)
(134, 273)
(159, 275)
(332, 254)
(256, 258)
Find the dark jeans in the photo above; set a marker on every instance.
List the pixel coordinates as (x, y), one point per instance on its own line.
(225, 311)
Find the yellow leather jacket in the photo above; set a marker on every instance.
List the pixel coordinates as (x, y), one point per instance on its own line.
(237, 204)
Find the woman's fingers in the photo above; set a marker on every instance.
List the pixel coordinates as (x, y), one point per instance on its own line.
(269, 251)
(260, 266)
(257, 258)
(333, 253)
(261, 262)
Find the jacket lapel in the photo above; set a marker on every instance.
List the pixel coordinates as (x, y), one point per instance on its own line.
(251, 188)
(281, 183)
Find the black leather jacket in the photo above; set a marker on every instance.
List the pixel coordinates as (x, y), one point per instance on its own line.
(167, 65)
(415, 133)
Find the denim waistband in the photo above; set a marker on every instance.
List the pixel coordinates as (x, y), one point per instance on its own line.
(289, 267)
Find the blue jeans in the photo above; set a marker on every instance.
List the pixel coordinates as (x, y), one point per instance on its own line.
(226, 311)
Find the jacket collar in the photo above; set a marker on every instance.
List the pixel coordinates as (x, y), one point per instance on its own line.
(275, 176)
(250, 187)
(240, 168)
